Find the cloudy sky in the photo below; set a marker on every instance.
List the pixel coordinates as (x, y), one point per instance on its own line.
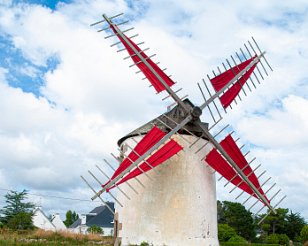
(66, 97)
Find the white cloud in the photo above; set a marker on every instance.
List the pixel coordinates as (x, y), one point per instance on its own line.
(98, 98)
(280, 127)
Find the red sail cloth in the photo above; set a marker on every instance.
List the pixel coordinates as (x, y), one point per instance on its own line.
(148, 141)
(163, 154)
(230, 146)
(215, 160)
(223, 79)
(146, 71)
(228, 97)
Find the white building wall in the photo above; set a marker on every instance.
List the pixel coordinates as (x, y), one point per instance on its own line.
(83, 229)
(108, 231)
(83, 218)
(41, 221)
(178, 207)
(58, 223)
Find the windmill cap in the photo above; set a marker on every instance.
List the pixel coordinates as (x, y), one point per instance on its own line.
(175, 116)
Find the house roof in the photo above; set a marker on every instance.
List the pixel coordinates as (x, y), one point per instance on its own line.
(58, 223)
(75, 224)
(47, 223)
(98, 210)
(100, 216)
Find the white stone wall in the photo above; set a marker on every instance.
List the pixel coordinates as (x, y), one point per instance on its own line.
(178, 207)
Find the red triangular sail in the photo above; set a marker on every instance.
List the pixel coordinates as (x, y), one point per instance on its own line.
(230, 146)
(228, 97)
(148, 141)
(164, 153)
(147, 72)
(215, 160)
(223, 79)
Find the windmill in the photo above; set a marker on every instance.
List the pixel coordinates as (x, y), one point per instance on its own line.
(174, 157)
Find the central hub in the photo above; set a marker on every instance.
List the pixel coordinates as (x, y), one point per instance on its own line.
(196, 112)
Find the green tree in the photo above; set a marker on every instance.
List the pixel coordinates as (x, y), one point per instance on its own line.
(276, 223)
(304, 234)
(220, 213)
(283, 223)
(225, 232)
(17, 214)
(94, 229)
(236, 216)
(295, 223)
(21, 221)
(71, 217)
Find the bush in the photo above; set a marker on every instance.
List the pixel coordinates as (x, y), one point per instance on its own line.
(272, 239)
(304, 234)
(297, 244)
(233, 244)
(225, 232)
(144, 244)
(283, 239)
(245, 244)
(237, 239)
(94, 229)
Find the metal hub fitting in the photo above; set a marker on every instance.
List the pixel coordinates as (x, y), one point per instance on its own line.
(196, 112)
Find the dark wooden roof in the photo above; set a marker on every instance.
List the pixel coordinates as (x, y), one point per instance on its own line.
(174, 116)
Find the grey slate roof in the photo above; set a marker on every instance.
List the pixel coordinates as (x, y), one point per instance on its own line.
(99, 209)
(103, 217)
(75, 224)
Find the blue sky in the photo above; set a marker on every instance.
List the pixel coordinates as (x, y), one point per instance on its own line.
(63, 90)
(21, 72)
(50, 4)
(12, 59)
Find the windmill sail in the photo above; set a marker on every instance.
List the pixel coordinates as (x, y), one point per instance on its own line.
(149, 140)
(222, 80)
(217, 162)
(164, 153)
(156, 147)
(150, 75)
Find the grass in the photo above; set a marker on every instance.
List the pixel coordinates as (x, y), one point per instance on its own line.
(245, 244)
(41, 237)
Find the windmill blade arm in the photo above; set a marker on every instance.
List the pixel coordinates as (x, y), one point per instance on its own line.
(164, 153)
(233, 164)
(240, 74)
(146, 63)
(143, 157)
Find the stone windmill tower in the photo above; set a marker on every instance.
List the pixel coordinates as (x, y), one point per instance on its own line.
(165, 172)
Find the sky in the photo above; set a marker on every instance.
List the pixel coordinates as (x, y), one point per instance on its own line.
(66, 97)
